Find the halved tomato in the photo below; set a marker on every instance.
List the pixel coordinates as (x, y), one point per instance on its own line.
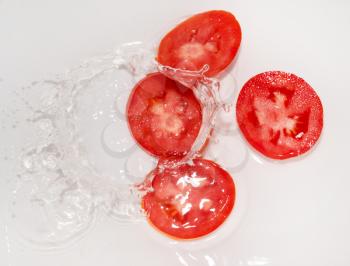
(189, 200)
(164, 116)
(279, 114)
(211, 38)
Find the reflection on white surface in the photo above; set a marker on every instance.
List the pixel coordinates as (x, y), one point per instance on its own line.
(181, 259)
(257, 261)
(256, 158)
(210, 260)
(8, 245)
(204, 258)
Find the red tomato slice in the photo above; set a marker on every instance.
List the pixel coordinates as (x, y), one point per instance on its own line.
(164, 116)
(211, 38)
(189, 200)
(279, 114)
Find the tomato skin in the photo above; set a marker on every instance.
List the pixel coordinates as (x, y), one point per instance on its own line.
(164, 116)
(189, 201)
(279, 114)
(211, 38)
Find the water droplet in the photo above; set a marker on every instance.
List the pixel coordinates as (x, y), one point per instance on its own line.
(231, 145)
(45, 125)
(228, 88)
(138, 165)
(116, 137)
(226, 120)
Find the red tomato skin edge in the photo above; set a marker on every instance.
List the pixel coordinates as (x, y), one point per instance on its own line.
(289, 156)
(230, 211)
(234, 51)
(127, 112)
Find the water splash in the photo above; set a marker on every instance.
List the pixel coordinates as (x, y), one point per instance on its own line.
(207, 92)
(80, 152)
(81, 159)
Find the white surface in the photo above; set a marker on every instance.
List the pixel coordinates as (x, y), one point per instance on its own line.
(297, 212)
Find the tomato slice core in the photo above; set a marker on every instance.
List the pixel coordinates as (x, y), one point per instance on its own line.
(211, 38)
(279, 114)
(189, 200)
(164, 116)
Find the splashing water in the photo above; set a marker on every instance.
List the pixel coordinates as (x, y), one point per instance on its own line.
(81, 159)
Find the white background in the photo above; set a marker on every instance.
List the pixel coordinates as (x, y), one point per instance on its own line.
(297, 212)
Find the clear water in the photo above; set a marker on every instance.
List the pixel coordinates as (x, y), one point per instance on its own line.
(80, 160)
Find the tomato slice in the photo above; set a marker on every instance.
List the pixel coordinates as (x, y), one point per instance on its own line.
(211, 38)
(164, 116)
(189, 200)
(279, 114)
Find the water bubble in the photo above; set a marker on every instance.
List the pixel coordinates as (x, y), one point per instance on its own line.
(228, 89)
(226, 120)
(45, 125)
(229, 151)
(116, 138)
(138, 165)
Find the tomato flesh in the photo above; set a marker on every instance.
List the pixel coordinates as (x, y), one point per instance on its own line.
(189, 200)
(211, 38)
(279, 114)
(164, 116)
